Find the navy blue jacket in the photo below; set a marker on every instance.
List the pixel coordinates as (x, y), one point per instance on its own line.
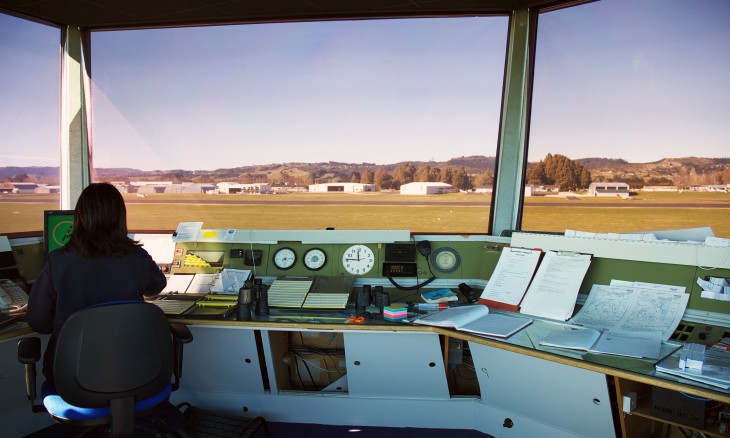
(70, 282)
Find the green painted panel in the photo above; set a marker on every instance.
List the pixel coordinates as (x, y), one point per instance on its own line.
(705, 304)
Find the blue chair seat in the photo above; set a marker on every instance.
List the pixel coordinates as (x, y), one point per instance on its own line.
(63, 410)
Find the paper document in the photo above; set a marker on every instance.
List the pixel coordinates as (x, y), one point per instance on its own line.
(476, 319)
(229, 281)
(160, 248)
(510, 278)
(177, 284)
(554, 290)
(187, 231)
(617, 342)
(202, 284)
(633, 308)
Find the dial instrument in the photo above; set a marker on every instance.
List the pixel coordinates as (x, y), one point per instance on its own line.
(284, 258)
(315, 259)
(358, 260)
(445, 259)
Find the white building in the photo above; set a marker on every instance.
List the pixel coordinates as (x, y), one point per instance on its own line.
(190, 188)
(347, 187)
(24, 187)
(230, 188)
(46, 189)
(427, 188)
(530, 189)
(711, 188)
(619, 189)
(660, 189)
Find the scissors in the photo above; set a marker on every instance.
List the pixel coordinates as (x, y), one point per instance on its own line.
(356, 319)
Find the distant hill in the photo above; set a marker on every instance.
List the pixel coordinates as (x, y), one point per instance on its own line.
(668, 171)
(12, 171)
(685, 171)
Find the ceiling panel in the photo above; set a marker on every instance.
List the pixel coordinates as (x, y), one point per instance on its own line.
(153, 13)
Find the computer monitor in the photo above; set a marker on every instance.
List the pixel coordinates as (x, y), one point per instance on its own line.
(57, 228)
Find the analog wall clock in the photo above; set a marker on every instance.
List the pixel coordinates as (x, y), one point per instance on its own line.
(284, 258)
(358, 259)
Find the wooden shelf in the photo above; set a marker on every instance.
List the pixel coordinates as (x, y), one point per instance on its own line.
(642, 423)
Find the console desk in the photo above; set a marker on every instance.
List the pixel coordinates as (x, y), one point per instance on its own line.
(316, 367)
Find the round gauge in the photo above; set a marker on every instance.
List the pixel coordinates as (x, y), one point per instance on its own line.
(314, 259)
(445, 259)
(358, 259)
(284, 258)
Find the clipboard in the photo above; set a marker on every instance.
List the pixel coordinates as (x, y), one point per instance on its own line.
(511, 278)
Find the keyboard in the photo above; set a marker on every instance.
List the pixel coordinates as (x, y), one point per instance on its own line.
(12, 296)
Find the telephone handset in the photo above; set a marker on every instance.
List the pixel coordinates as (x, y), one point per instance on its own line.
(12, 297)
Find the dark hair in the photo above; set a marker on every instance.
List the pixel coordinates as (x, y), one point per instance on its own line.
(100, 223)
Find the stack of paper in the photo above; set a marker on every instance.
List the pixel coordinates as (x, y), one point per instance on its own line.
(639, 308)
(510, 279)
(627, 319)
(554, 290)
(395, 313)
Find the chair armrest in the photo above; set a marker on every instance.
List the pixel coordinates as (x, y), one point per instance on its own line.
(29, 350)
(181, 333)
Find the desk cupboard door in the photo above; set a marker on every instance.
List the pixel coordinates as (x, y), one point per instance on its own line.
(395, 365)
(562, 397)
(221, 359)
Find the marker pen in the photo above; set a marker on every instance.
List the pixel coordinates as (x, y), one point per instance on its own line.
(430, 306)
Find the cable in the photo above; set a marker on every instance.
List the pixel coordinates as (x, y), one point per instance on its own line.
(424, 248)
(407, 288)
(250, 245)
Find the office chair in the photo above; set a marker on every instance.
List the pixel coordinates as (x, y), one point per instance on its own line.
(113, 362)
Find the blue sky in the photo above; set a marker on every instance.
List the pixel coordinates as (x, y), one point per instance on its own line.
(654, 85)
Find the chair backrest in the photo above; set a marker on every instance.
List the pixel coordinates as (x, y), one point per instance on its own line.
(113, 351)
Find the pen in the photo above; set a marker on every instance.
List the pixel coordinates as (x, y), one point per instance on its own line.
(430, 306)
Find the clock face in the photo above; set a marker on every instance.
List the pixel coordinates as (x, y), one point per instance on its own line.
(284, 258)
(315, 259)
(358, 259)
(445, 259)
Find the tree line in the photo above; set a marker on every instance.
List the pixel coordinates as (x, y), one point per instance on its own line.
(561, 171)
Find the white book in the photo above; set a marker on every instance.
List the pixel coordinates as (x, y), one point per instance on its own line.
(476, 319)
(616, 342)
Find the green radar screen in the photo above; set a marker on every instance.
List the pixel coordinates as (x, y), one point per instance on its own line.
(58, 226)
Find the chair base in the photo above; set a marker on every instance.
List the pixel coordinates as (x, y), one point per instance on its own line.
(201, 422)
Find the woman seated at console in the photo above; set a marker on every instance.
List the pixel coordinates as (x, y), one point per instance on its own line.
(99, 264)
